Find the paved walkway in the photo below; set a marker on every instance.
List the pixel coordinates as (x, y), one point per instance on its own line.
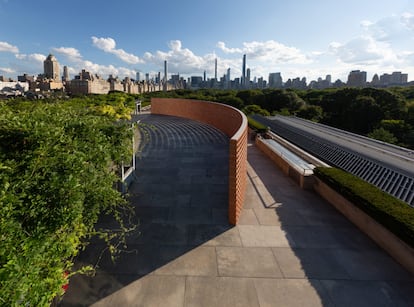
(291, 248)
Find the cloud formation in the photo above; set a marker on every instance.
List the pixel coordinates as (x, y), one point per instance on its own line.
(7, 70)
(109, 45)
(180, 59)
(72, 54)
(36, 57)
(6, 47)
(222, 47)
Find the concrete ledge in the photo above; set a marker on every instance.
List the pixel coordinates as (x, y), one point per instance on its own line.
(399, 250)
(231, 122)
(300, 176)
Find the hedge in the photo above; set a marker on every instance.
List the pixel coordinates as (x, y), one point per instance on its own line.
(255, 125)
(396, 215)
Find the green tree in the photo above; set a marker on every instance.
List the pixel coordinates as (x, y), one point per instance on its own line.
(311, 112)
(383, 135)
(255, 109)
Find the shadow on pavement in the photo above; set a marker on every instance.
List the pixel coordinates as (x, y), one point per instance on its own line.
(180, 199)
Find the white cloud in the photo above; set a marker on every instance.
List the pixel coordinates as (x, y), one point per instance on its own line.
(6, 47)
(109, 45)
(105, 70)
(274, 52)
(37, 57)
(7, 70)
(394, 29)
(72, 54)
(223, 47)
(180, 60)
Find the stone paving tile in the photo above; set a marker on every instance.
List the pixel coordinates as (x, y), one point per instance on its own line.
(368, 293)
(220, 292)
(200, 261)
(264, 236)
(247, 262)
(197, 215)
(248, 217)
(311, 263)
(156, 214)
(213, 235)
(161, 234)
(280, 215)
(404, 289)
(291, 292)
(312, 236)
(371, 265)
(220, 216)
(157, 291)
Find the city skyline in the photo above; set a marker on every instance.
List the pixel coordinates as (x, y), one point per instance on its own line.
(298, 39)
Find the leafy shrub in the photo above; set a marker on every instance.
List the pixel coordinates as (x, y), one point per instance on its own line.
(394, 214)
(255, 125)
(56, 178)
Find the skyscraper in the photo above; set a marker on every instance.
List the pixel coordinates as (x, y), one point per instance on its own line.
(51, 68)
(215, 69)
(65, 73)
(165, 76)
(244, 70)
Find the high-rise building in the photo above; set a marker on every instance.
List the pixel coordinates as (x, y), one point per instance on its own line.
(275, 80)
(138, 76)
(65, 74)
(244, 71)
(51, 68)
(165, 76)
(357, 78)
(215, 69)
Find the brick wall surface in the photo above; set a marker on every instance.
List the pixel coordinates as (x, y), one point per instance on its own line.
(227, 119)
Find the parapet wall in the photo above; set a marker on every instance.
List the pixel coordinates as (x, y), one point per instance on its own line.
(230, 121)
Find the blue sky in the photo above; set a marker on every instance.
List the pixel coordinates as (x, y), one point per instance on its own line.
(299, 38)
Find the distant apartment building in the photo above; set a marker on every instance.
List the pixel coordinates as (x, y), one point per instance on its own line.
(275, 80)
(357, 78)
(13, 88)
(87, 83)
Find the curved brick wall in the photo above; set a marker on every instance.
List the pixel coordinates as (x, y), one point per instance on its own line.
(227, 119)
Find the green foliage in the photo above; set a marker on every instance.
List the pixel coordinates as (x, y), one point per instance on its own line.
(394, 214)
(255, 125)
(359, 110)
(255, 109)
(56, 178)
(383, 135)
(310, 112)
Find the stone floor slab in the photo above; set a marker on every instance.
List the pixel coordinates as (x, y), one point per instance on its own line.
(213, 235)
(157, 291)
(220, 292)
(310, 263)
(247, 262)
(291, 292)
(199, 261)
(361, 294)
(264, 236)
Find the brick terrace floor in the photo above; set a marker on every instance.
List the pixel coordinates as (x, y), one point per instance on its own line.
(291, 248)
